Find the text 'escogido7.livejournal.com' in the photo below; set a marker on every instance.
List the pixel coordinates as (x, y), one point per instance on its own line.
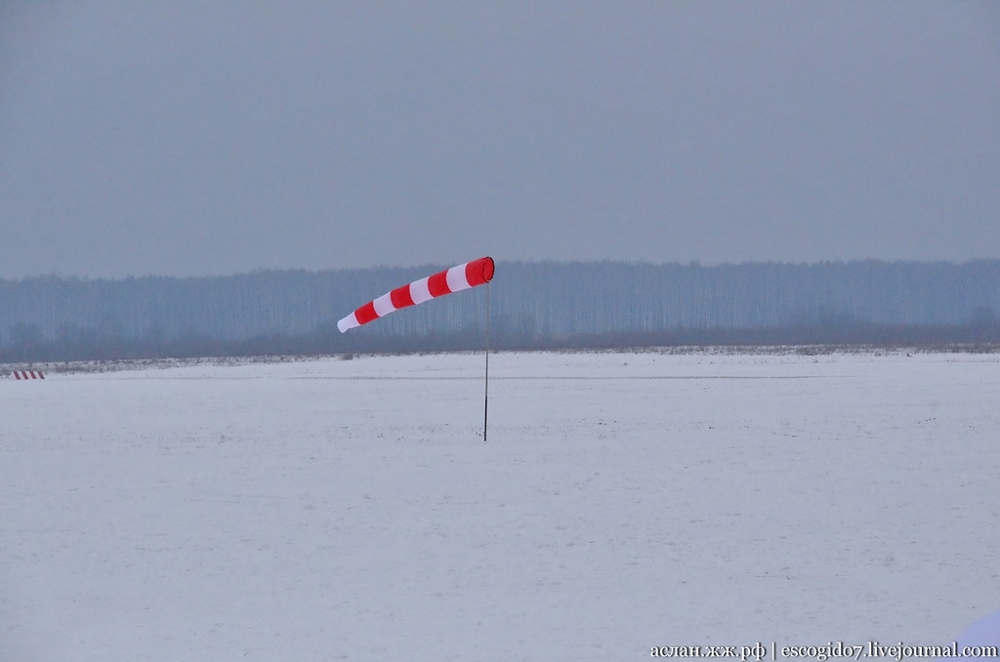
(758, 652)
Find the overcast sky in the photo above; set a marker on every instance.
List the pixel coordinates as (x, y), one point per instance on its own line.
(193, 138)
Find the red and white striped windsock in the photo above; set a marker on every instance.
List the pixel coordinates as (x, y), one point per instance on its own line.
(460, 277)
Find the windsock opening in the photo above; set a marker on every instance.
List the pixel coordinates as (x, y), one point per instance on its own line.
(479, 271)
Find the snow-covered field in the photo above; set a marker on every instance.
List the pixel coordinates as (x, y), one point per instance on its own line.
(349, 509)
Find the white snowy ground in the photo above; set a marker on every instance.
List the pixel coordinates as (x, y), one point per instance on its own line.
(336, 509)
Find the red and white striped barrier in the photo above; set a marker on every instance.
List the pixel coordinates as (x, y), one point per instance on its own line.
(28, 374)
(460, 277)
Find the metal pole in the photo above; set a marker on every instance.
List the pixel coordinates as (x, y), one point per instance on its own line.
(486, 392)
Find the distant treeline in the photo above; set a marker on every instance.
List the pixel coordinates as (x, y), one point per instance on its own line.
(533, 305)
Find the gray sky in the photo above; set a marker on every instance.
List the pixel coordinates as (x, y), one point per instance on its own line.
(190, 138)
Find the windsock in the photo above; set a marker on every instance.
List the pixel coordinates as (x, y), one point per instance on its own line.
(460, 277)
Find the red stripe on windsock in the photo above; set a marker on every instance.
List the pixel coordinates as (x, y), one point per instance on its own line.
(438, 284)
(479, 271)
(401, 297)
(366, 313)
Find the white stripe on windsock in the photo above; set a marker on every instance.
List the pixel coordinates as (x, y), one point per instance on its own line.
(456, 279)
(383, 304)
(349, 322)
(420, 291)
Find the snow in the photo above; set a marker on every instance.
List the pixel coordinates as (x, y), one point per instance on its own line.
(350, 510)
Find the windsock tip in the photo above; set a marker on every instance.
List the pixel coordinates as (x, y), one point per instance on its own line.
(488, 268)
